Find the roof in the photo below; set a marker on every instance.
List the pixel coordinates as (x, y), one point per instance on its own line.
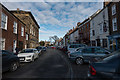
(11, 13)
(14, 11)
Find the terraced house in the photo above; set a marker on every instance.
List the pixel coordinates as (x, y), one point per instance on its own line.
(114, 25)
(99, 28)
(32, 27)
(12, 30)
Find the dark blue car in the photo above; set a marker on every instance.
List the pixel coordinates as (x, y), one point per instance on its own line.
(10, 62)
(107, 68)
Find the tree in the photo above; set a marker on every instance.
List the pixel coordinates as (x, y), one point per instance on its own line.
(53, 38)
(42, 43)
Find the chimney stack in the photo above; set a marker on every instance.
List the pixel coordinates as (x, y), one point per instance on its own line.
(18, 9)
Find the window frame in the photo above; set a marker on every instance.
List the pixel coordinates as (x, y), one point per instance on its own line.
(22, 31)
(15, 27)
(114, 24)
(114, 9)
(2, 21)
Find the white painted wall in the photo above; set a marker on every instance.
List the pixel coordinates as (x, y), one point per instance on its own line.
(97, 23)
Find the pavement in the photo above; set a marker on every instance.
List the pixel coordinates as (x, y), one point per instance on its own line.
(51, 64)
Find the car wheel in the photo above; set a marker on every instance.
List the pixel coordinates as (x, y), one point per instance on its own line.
(79, 61)
(14, 66)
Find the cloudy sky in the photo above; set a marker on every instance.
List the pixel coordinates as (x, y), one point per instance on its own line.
(56, 18)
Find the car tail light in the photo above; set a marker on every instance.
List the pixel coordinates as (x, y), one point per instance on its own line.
(92, 70)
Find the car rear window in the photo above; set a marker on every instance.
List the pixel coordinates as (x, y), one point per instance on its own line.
(111, 57)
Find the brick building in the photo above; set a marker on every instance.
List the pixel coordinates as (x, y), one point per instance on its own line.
(84, 32)
(114, 25)
(13, 31)
(32, 27)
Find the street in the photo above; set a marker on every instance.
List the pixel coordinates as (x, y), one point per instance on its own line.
(51, 64)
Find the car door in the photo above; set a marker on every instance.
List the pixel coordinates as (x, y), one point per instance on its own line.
(100, 52)
(88, 54)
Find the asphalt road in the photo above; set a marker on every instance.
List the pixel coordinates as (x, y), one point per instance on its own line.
(51, 64)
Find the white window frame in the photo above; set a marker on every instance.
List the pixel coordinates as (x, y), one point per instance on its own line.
(14, 46)
(26, 36)
(114, 24)
(4, 21)
(22, 31)
(15, 27)
(114, 9)
(2, 43)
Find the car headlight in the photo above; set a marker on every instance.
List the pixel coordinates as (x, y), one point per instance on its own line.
(29, 56)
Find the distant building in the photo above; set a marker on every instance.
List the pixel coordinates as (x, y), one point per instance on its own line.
(84, 32)
(114, 25)
(31, 29)
(47, 43)
(13, 31)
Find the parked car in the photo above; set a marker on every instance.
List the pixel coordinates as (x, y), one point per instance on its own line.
(39, 48)
(107, 68)
(88, 53)
(28, 55)
(44, 48)
(10, 62)
(64, 49)
(53, 47)
(71, 48)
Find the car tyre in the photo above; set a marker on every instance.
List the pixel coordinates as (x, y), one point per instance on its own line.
(79, 61)
(14, 66)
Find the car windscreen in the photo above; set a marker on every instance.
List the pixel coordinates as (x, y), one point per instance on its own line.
(38, 48)
(27, 51)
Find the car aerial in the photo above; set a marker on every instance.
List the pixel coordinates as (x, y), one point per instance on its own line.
(107, 68)
(71, 47)
(10, 62)
(28, 55)
(87, 53)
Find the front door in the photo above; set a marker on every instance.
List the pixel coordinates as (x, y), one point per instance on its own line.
(20, 45)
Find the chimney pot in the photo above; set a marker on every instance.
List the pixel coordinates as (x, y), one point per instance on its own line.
(18, 9)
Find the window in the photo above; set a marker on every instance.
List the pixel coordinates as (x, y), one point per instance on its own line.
(15, 27)
(26, 36)
(93, 32)
(3, 43)
(14, 46)
(4, 21)
(104, 42)
(101, 28)
(113, 9)
(114, 24)
(22, 31)
(93, 43)
(87, 25)
(88, 50)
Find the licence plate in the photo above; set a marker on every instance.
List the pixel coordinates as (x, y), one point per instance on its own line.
(21, 58)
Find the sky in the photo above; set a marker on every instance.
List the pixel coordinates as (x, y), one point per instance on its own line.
(56, 18)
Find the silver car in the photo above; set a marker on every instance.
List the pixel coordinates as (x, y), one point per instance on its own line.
(88, 53)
